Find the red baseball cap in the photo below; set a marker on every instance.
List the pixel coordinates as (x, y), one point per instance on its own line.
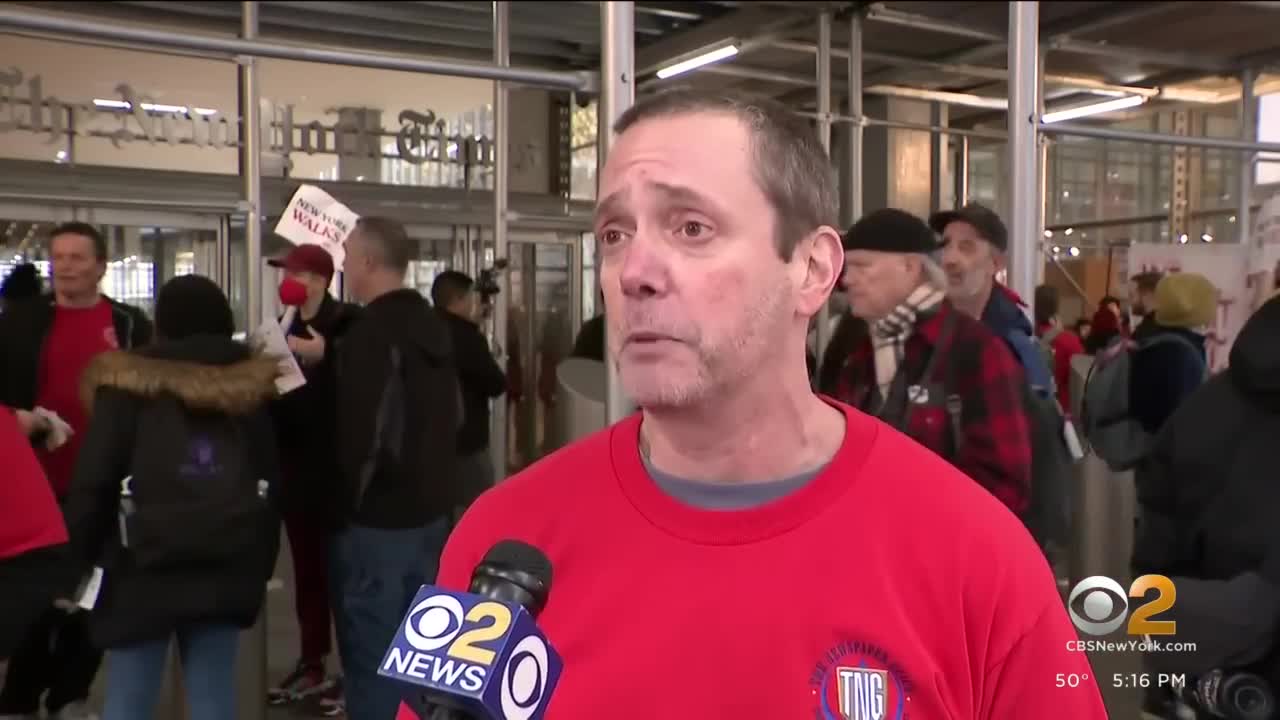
(306, 258)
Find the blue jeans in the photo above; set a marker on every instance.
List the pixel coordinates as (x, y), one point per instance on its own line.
(208, 656)
(374, 575)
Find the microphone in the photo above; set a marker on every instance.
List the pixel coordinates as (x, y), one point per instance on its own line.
(293, 294)
(479, 655)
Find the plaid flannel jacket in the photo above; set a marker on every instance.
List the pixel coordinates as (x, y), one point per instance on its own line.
(979, 369)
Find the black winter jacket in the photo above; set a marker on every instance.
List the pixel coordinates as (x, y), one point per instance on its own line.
(397, 430)
(305, 420)
(481, 377)
(204, 375)
(1209, 498)
(23, 329)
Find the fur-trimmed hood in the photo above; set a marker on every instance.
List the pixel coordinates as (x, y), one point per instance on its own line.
(208, 374)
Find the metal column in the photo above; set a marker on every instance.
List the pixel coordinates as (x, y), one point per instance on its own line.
(617, 94)
(251, 166)
(855, 111)
(501, 178)
(938, 152)
(537, 351)
(1042, 170)
(1179, 202)
(1248, 133)
(577, 268)
(824, 134)
(962, 173)
(253, 689)
(1024, 65)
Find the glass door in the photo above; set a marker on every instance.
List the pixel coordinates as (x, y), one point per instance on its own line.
(144, 249)
(543, 320)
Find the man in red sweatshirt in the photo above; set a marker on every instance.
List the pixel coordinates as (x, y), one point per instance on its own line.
(45, 345)
(742, 547)
(34, 564)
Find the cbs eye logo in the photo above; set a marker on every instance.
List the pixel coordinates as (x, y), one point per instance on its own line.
(1100, 598)
(439, 621)
(524, 679)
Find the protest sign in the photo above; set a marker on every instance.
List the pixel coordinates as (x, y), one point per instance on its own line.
(314, 217)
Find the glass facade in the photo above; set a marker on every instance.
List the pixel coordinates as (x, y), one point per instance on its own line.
(583, 130)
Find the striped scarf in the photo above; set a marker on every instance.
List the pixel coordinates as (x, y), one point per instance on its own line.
(889, 334)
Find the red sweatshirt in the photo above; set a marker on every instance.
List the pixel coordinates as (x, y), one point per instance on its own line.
(29, 516)
(77, 336)
(1066, 345)
(889, 581)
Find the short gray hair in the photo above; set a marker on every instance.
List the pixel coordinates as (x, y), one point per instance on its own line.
(790, 165)
(390, 246)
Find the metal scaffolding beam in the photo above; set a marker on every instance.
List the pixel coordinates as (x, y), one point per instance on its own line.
(866, 122)
(975, 71)
(617, 95)
(144, 38)
(1063, 43)
(823, 68)
(498, 444)
(1249, 133)
(855, 56)
(1106, 133)
(248, 92)
(1024, 176)
(962, 172)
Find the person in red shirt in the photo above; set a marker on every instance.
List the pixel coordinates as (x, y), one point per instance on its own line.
(1064, 343)
(34, 564)
(743, 547)
(45, 346)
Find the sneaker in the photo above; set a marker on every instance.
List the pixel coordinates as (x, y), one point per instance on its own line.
(333, 707)
(306, 680)
(332, 702)
(74, 711)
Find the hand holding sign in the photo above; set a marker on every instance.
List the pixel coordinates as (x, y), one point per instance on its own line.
(309, 350)
(314, 217)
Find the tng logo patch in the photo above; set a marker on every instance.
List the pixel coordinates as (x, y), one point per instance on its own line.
(862, 693)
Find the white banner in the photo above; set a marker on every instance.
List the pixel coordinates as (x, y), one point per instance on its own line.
(1222, 265)
(314, 217)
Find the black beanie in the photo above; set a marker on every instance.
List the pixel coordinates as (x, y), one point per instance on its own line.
(891, 230)
(193, 305)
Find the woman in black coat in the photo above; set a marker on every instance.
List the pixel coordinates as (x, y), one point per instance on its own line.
(173, 502)
(1209, 500)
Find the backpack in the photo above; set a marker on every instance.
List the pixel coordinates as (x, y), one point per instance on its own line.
(1048, 513)
(195, 496)
(1112, 432)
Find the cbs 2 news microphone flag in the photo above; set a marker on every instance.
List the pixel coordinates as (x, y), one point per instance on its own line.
(484, 657)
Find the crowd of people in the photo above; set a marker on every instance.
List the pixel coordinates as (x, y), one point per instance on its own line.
(150, 467)
(893, 506)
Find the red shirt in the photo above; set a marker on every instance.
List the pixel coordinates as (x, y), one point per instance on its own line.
(76, 337)
(1065, 345)
(889, 571)
(29, 515)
